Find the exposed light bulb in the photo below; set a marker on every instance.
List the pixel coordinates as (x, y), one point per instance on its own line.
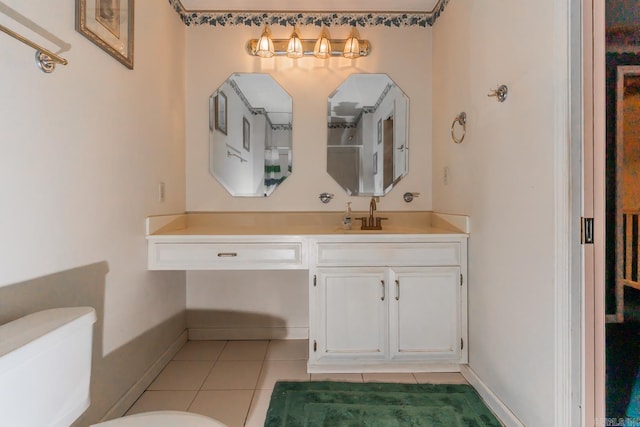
(264, 48)
(352, 46)
(322, 48)
(294, 47)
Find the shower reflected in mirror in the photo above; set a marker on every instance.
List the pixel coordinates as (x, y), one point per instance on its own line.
(367, 129)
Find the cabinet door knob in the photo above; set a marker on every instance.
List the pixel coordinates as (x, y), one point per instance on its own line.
(383, 290)
(397, 290)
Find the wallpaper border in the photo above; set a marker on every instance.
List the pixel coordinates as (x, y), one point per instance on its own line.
(319, 19)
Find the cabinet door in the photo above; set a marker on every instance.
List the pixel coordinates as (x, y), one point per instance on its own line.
(352, 314)
(424, 313)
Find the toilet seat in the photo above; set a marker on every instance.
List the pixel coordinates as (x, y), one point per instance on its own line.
(162, 419)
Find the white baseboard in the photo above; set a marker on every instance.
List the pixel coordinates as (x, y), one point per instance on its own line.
(129, 398)
(501, 410)
(380, 367)
(200, 334)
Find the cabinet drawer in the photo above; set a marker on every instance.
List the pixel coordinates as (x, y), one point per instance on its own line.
(388, 254)
(225, 256)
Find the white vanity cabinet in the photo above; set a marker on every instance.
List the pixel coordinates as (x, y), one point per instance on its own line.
(380, 300)
(392, 304)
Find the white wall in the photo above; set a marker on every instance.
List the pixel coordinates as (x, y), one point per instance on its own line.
(213, 53)
(234, 174)
(503, 177)
(83, 151)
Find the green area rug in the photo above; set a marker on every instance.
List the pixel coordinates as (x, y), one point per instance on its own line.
(336, 404)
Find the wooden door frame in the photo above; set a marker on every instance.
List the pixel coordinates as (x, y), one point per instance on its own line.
(594, 169)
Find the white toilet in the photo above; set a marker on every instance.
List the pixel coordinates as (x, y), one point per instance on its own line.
(45, 371)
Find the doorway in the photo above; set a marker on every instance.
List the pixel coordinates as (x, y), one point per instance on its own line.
(622, 287)
(619, 310)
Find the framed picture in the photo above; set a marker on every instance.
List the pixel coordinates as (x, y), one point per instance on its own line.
(246, 134)
(375, 163)
(108, 24)
(379, 131)
(220, 112)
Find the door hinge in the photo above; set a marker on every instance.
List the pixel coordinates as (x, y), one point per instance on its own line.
(461, 279)
(586, 231)
(461, 344)
(315, 346)
(315, 280)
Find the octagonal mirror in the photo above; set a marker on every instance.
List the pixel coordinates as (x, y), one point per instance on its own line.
(367, 135)
(250, 135)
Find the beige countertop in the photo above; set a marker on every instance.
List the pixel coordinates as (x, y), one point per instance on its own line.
(301, 223)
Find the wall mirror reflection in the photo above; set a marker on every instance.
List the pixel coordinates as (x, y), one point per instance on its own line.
(250, 122)
(367, 135)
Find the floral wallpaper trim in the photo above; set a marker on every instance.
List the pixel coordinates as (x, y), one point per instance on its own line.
(342, 125)
(319, 19)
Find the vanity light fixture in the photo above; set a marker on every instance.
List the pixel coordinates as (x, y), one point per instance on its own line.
(295, 47)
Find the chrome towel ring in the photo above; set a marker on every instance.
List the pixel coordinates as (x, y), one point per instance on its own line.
(460, 119)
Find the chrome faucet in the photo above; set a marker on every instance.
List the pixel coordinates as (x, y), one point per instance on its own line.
(371, 223)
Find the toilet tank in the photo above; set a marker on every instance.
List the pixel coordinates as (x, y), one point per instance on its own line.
(45, 367)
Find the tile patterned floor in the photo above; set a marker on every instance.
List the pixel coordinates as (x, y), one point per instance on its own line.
(232, 381)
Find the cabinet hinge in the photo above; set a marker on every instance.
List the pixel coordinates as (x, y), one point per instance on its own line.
(461, 279)
(461, 344)
(315, 280)
(315, 346)
(586, 231)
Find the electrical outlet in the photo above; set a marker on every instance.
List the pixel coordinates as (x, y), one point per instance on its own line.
(161, 192)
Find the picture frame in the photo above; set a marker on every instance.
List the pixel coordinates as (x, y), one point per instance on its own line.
(379, 131)
(375, 163)
(220, 112)
(246, 134)
(110, 25)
